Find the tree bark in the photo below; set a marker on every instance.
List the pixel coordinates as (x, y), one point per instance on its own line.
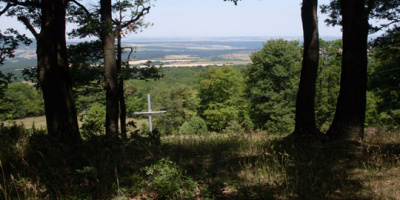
(53, 72)
(348, 123)
(305, 124)
(121, 97)
(110, 68)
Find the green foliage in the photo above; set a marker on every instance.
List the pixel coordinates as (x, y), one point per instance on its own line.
(218, 116)
(84, 102)
(17, 181)
(167, 180)
(180, 104)
(221, 93)
(272, 81)
(384, 79)
(219, 85)
(136, 90)
(328, 82)
(386, 11)
(10, 137)
(196, 125)
(21, 100)
(9, 42)
(5, 79)
(247, 124)
(372, 117)
(95, 120)
(86, 72)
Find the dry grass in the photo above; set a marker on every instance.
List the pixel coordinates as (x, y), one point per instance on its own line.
(259, 167)
(241, 166)
(37, 122)
(40, 122)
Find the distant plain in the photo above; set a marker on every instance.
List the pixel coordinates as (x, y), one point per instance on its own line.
(177, 52)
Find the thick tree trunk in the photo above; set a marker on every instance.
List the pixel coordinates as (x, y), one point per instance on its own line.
(53, 72)
(305, 103)
(110, 68)
(348, 122)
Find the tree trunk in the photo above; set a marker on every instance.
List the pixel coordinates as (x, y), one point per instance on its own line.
(121, 97)
(53, 72)
(348, 122)
(305, 103)
(110, 68)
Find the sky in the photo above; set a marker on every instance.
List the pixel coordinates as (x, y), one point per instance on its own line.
(216, 18)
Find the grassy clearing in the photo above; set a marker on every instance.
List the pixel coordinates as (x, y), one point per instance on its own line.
(40, 122)
(218, 166)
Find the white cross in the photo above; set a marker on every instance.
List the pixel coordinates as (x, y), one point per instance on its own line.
(149, 113)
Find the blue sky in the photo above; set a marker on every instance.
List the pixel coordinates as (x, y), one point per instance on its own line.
(216, 18)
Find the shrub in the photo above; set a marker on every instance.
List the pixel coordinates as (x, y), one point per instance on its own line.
(94, 123)
(168, 181)
(234, 127)
(196, 125)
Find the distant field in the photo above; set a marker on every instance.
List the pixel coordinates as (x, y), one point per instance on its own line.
(172, 53)
(40, 122)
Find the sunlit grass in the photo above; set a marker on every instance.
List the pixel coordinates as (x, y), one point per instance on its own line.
(40, 122)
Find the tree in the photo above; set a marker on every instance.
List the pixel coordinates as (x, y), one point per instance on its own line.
(134, 23)
(180, 104)
(94, 121)
(348, 122)
(9, 42)
(53, 70)
(221, 91)
(271, 84)
(385, 77)
(354, 16)
(129, 19)
(305, 124)
(21, 100)
(196, 125)
(87, 73)
(110, 68)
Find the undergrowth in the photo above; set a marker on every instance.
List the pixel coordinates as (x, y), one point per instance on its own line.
(217, 166)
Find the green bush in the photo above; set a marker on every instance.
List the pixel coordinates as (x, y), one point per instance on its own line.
(168, 181)
(21, 100)
(234, 127)
(196, 125)
(95, 120)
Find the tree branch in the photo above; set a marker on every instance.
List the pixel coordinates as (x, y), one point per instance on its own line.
(26, 3)
(371, 6)
(28, 25)
(6, 8)
(144, 11)
(83, 8)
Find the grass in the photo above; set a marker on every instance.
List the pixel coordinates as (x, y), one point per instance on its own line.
(215, 166)
(40, 122)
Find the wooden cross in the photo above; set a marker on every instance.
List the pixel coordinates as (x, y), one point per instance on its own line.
(149, 113)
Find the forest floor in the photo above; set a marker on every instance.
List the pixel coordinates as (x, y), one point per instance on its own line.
(214, 166)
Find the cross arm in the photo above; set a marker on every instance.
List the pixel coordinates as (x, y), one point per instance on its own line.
(152, 112)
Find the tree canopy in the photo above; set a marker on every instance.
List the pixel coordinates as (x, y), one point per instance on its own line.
(272, 81)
